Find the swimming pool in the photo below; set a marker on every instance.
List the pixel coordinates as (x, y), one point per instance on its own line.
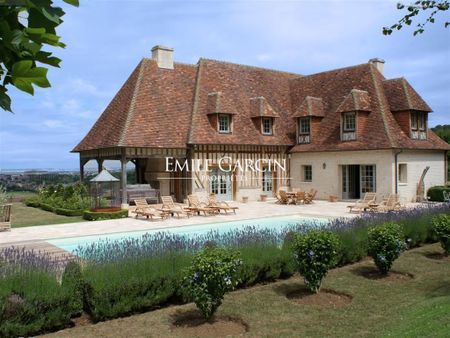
(278, 222)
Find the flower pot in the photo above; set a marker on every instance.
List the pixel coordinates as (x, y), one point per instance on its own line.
(244, 199)
(263, 198)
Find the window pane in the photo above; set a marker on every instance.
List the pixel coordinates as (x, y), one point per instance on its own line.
(402, 173)
(304, 126)
(414, 121)
(368, 179)
(349, 122)
(224, 123)
(307, 173)
(267, 125)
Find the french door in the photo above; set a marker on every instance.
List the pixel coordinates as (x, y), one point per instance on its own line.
(357, 180)
(221, 184)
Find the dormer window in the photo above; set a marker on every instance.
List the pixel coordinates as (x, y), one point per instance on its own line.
(267, 126)
(348, 126)
(224, 123)
(304, 130)
(419, 125)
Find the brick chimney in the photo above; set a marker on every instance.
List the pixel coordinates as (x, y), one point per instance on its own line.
(379, 63)
(163, 56)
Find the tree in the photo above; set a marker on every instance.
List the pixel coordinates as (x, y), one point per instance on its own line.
(26, 26)
(431, 8)
(443, 131)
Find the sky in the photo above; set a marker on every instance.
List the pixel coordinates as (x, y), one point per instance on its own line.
(107, 38)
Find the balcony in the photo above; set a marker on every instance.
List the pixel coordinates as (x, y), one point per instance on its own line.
(303, 139)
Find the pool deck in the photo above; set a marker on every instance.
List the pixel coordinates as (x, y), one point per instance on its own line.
(36, 235)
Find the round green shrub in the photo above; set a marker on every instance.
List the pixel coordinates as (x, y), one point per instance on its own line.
(441, 228)
(213, 272)
(315, 252)
(436, 193)
(386, 243)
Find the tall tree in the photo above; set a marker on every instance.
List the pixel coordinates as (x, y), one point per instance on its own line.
(428, 7)
(26, 27)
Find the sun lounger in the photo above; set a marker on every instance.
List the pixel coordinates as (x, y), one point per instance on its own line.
(364, 204)
(144, 209)
(169, 206)
(391, 203)
(200, 207)
(5, 217)
(221, 205)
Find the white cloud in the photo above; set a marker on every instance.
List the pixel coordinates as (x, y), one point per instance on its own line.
(53, 124)
(80, 86)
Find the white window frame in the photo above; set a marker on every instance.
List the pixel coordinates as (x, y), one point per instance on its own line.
(269, 120)
(345, 116)
(219, 124)
(304, 119)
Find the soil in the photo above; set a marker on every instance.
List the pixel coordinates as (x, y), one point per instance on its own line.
(192, 324)
(392, 276)
(106, 209)
(437, 256)
(325, 298)
(83, 320)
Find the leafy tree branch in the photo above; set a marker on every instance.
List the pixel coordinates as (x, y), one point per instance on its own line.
(432, 8)
(26, 27)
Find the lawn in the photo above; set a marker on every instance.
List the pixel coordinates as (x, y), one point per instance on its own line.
(404, 307)
(23, 216)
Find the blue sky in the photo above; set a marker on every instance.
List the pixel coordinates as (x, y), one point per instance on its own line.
(107, 38)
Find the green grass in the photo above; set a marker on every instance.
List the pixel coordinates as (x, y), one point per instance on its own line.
(23, 216)
(412, 308)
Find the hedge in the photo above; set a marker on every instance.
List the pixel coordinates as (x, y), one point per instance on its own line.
(436, 193)
(34, 203)
(95, 216)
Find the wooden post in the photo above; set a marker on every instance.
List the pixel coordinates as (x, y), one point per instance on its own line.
(100, 164)
(82, 163)
(123, 165)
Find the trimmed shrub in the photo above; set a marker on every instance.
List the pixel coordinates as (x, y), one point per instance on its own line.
(436, 193)
(213, 272)
(96, 216)
(315, 253)
(386, 242)
(68, 212)
(441, 228)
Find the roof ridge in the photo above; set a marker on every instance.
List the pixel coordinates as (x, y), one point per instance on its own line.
(405, 89)
(130, 112)
(331, 70)
(251, 67)
(382, 110)
(396, 79)
(175, 62)
(195, 99)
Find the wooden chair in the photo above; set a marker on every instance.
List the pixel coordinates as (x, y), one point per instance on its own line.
(300, 197)
(5, 217)
(309, 196)
(169, 206)
(221, 205)
(361, 205)
(284, 198)
(196, 206)
(144, 209)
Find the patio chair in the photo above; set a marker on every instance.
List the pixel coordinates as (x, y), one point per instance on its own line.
(144, 209)
(300, 197)
(221, 205)
(284, 198)
(169, 206)
(364, 204)
(196, 206)
(5, 217)
(309, 196)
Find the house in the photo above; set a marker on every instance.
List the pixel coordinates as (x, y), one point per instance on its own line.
(235, 130)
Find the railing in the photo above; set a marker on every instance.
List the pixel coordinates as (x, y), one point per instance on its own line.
(304, 139)
(418, 135)
(348, 136)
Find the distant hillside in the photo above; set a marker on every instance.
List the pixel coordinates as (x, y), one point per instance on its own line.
(443, 131)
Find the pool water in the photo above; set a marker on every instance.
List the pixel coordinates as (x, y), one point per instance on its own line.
(279, 222)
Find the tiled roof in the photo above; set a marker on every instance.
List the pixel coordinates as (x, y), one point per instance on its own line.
(172, 108)
(401, 96)
(311, 106)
